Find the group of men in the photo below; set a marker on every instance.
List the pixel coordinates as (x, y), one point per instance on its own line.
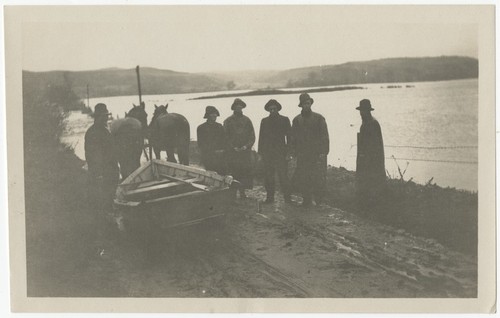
(227, 149)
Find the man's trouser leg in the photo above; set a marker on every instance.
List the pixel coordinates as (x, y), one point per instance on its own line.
(305, 179)
(282, 167)
(269, 170)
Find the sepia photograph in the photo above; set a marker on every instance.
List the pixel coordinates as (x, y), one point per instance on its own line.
(251, 158)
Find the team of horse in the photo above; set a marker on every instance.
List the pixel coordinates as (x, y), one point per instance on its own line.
(166, 132)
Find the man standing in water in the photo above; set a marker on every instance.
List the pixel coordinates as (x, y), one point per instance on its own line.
(370, 160)
(310, 144)
(212, 142)
(240, 137)
(274, 137)
(102, 165)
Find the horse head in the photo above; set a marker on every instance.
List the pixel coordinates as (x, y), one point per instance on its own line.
(159, 110)
(139, 113)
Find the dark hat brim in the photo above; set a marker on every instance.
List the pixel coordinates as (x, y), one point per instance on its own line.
(310, 99)
(272, 103)
(100, 114)
(363, 108)
(239, 104)
(267, 107)
(206, 114)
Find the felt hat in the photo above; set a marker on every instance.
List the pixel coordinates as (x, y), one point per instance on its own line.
(100, 110)
(238, 102)
(272, 102)
(211, 110)
(365, 105)
(304, 97)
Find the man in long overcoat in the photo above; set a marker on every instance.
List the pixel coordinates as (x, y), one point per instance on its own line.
(370, 160)
(101, 158)
(240, 136)
(212, 142)
(274, 137)
(102, 167)
(310, 144)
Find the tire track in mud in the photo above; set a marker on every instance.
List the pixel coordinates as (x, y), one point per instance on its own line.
(237, 265)
(347, 258)
(208, 263)
(294, 284)
(415, 275)
(351, 249)
(430, 271)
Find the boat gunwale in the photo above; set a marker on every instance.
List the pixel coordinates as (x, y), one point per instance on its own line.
(121, 201)
(194, 193)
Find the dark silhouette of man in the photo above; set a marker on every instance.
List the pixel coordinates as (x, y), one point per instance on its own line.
(370, 160)
(240, 136)
(212, 142)
(274, 137)
(102, 167)
(310, 144)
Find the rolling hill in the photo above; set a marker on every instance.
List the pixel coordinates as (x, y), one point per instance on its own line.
(115, 81)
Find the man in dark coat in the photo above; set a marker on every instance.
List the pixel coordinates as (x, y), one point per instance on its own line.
(274, 137)
(102, 167)
(100, 155)
(240, 137)
(212, 142)
(370, 160)
(310, 144)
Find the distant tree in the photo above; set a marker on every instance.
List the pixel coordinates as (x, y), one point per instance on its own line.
(312, 78)
(63, 95)
(230, 85)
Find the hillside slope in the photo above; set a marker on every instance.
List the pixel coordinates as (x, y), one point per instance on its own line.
(116, 82)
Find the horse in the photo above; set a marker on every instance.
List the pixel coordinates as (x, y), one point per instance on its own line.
(169, 132)
(128, 134)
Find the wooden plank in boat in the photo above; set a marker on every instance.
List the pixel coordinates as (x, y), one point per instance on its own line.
(177, 196)
(169, 168)
(142, 184)
(158, 191)
(147, 184)
(195, 182)
(161, 190)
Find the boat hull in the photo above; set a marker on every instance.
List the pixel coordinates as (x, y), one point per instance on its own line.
(172, 203)
(180, 210)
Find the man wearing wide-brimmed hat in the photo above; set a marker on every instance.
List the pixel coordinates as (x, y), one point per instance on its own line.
(102, 166)
(310, 144)
(99, 147)
(274, 137)
(370, 160)
(212, 141)
(240, 138)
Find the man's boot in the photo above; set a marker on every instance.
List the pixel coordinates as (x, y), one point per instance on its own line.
(242, 194)
(270, 198)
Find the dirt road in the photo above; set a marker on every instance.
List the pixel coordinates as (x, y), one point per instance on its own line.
(259, 250)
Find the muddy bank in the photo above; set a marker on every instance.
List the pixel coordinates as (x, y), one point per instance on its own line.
(447, 215)
(278, 250)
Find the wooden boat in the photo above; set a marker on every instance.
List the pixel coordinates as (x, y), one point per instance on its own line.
(165, 195)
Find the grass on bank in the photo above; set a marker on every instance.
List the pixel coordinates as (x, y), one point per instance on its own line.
(447, 215)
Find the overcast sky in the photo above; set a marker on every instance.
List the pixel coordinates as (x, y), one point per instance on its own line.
(217, 38)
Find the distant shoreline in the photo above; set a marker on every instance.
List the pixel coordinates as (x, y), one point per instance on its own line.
(262, 92)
